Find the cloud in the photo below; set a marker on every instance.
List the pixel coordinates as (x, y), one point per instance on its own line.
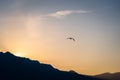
(64, 13)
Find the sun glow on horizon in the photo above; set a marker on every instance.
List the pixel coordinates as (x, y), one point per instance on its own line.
(21, 54)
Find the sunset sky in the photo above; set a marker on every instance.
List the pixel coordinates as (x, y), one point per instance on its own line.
(38, 29)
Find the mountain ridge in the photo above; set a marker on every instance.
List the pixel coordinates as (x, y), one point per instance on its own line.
(109, 76)
(20, 68)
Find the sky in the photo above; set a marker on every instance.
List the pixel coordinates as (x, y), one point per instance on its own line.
(38, 29)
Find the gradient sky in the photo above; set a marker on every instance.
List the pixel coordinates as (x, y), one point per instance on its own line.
(38, 29)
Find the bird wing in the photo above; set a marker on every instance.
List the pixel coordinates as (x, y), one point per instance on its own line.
(73, 39)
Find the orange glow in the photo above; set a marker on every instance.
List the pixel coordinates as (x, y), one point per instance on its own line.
(21, 54)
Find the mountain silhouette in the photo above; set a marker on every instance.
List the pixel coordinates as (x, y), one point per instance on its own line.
(109, 76)
(20, 68)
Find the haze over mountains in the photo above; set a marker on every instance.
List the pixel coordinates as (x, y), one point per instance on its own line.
(110, 76)
(20, 68)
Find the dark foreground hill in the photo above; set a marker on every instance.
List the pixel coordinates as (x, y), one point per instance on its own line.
(19, 68)
(109, 76)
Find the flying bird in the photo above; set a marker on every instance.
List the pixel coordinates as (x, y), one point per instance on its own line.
(70, 38)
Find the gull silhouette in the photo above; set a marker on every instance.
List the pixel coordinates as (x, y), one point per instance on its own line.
(71, 38)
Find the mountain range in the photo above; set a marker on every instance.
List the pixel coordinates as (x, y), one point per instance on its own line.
(20, 68)
(109, 76)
